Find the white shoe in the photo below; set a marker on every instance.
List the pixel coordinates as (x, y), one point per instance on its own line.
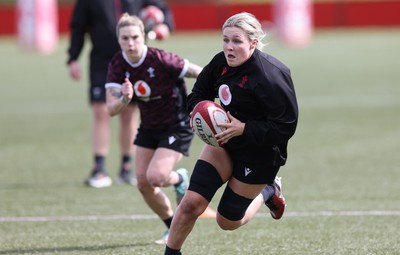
(164, 239)
(99, 179)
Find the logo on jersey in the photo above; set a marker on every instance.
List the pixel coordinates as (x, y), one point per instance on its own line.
(151, 70)
(142, 89)
(224, 94)
(244, 80)
(224, 70)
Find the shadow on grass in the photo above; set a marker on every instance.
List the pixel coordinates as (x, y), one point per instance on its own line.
(72, 249)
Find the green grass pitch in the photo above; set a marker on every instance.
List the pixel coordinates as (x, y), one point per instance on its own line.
(341, 181)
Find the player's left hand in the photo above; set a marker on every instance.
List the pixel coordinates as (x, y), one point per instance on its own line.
(234, 128)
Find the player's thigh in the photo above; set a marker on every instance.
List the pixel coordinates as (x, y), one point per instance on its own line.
(244, 189)
(220, 159)
(163, 163)
(128, 115)
(142, 162)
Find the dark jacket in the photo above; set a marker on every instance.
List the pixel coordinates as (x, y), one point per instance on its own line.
(99, 18)
(259, 93)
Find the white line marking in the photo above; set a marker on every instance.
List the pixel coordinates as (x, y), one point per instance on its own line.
(153, 216)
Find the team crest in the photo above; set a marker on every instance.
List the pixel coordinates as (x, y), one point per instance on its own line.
(151, 70)
(224, 94)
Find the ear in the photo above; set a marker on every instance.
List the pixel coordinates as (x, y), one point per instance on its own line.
(253, 44)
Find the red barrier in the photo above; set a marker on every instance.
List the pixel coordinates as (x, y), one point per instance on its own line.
(211, 16)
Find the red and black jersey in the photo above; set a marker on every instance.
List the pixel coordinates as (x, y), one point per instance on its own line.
(159, 86)
(259, 93)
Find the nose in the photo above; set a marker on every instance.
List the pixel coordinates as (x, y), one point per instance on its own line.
(228, 46)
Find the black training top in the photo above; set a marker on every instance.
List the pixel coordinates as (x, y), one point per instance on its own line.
(99, 19)
(259, 93)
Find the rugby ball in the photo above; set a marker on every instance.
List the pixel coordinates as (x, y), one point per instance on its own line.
(206, 116)
(151, 16)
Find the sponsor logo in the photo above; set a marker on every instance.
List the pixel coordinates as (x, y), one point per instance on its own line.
(224, 94)
(143, 91)
(199, 127)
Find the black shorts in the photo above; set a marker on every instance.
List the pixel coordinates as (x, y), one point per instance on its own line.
(98, 76)
(178, 139)
(254, 173)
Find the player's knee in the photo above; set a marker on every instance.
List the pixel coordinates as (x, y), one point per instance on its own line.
(192, 205)
(233, 206)
(157, 179)
(205, 180)
(156, 182)
(144, 186)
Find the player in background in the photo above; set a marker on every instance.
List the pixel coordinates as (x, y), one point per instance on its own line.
(258, 94)
(98, 19)
(154, 80)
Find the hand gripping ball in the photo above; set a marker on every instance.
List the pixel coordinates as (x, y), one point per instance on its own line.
(206, 116)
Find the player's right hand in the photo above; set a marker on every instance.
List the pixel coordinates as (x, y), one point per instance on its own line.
(127, 89)
(74, 70)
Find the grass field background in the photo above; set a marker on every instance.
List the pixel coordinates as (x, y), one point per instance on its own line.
(341, 181)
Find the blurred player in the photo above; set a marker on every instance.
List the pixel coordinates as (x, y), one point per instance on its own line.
(98, 19)
(154, 80)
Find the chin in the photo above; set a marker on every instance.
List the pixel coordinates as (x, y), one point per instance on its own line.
(232, 63)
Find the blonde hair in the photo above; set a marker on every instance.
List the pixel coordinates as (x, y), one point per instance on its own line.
(128, 20)
(249, 24)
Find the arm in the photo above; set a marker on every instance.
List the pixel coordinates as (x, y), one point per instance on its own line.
(202, 89)
(78, 27)
(118, 96)
(279, 103)
(193, 70)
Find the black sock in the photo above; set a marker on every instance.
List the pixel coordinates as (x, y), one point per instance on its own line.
(99, 163)
(167, 222)
(268, 192)
(180, 180)
(125, 162)
(170, 251)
